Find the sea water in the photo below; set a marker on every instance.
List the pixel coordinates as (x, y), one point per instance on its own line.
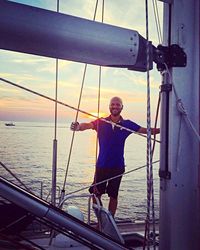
(27, 149)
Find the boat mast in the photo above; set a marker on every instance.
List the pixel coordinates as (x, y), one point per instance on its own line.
(179, 165)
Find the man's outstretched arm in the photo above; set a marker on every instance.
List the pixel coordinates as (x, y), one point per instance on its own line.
(75, 126)
(153, 131)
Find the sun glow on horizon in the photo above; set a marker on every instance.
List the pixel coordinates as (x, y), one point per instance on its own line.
(95, 114)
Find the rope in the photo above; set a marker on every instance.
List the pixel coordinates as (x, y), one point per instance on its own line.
(150, 191)
(148, 133)
(125, 173)
(178, 144)
(181, 108)
(183, 112)
(71, 107)
(156, 120)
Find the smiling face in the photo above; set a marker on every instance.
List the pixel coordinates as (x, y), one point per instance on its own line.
(115, 106)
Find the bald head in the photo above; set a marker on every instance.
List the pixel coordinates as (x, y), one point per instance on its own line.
(116, 106)
(116, 99)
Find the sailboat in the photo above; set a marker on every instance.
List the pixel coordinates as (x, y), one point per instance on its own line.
(9, 124)
(179, 223)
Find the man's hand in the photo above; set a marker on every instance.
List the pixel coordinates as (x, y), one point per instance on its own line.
(75, 126)
(154, 131)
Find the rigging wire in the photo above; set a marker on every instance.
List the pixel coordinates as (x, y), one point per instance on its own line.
(76, 118)
(99, 100)
(71, 107)
(73, 133)
(14, 175)
(158, 17)
(99, 86)
(157, 20)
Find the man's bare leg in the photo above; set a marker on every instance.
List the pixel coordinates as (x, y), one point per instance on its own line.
(112, 206)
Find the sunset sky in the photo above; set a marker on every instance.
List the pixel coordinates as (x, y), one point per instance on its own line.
(38, 73)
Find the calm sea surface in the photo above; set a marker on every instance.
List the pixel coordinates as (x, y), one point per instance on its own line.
(27, 148)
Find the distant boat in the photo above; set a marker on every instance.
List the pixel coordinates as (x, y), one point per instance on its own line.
(9, 124)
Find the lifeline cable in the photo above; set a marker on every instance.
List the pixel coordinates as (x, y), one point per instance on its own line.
(125, 173)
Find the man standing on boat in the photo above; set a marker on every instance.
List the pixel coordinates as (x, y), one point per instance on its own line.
(110, 160)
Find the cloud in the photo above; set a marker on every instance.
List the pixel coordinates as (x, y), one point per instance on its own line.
(50, 66)
(18, 78)
(30, 60)
(8, 90)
